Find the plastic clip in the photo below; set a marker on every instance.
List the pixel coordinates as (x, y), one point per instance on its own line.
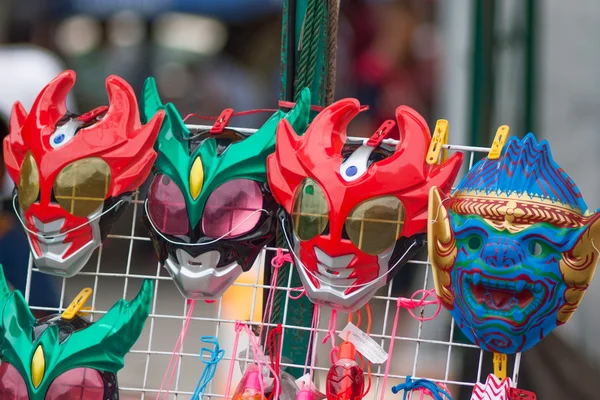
(520, 394)
(222, 121)
(498, 143)
(93, 114)
(439, 139)
(78, 305)
(500, 361)
(384, 130)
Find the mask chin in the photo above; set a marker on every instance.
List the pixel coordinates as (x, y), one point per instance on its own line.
(52, 249)
(333, 276)
(198, 278)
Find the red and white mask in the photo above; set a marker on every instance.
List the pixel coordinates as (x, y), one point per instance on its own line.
(354, 211)
(74, 174)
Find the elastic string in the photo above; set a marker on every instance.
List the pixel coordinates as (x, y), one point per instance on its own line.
(409, 305)
(214, 356)
(261, 360)
(274, 344)
(311, 338)
(425, 386)
(235, 114)
(331, 334)
(177, 351)
(297, 289)
(238, 329)
(277, 262)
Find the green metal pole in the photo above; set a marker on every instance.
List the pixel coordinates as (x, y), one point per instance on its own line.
(483, 73)
(303, 64)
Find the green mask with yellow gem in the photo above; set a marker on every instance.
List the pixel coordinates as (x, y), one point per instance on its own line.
(209, 209)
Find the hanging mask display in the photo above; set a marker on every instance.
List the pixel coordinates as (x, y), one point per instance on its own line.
(56, 358)
(209, 210)
(513, 249)
(75, 174)
(353, 211)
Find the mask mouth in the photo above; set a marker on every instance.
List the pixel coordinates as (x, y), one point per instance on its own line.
(504, 296)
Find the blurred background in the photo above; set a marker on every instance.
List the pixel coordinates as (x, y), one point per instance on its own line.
(530, 64)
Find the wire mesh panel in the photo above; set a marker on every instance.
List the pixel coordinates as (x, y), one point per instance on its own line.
(433, 349)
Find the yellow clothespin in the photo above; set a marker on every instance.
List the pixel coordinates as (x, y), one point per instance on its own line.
(500, 365)
(439, 139)
(78, 305)
(498, 143)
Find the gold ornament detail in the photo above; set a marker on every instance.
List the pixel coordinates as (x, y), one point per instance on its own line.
(577, 267)
(441, 246)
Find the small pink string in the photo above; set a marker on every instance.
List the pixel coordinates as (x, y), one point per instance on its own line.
(177, 350)
(238, 329)
(409, 305)
(277, 262)
(261, 361)
(298, 289)
(426, 392)
(331, 335)
(311, 340)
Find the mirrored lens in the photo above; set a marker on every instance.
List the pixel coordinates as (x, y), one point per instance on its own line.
(81, 187)
(311, 211)
(166, 207)
(29, 182)
(232, 209)
(77, 384)
(12, 384)
(375, 225)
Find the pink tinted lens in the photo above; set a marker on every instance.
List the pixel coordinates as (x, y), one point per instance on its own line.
(166, 206)
(12, 385)
(231, 209)
(77, 384)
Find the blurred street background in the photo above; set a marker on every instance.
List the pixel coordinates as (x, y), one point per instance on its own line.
(531, 64)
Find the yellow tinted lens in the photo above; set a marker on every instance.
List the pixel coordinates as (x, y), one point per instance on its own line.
(81, 187)
(310, 213)
(374, 225)
(29, 182)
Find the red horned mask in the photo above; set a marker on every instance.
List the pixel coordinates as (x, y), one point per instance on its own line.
(355, 211)
(75, 173)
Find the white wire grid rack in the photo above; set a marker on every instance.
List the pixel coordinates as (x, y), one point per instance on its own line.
(421, 349)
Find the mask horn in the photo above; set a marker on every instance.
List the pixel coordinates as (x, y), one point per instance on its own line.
(578, 266)
(329, 127)
(18, 116)
(51, 104)
(123, 115)
(441, 246)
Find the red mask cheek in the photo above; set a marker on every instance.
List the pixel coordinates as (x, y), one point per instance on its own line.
(53, 220)
(77, 384)
(12, 385)
(364, 267)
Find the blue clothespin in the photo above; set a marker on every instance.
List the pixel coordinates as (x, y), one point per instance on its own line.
(416, 384)
(211, 358)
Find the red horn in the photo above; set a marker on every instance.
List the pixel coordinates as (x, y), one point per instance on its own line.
(329, 127)
(51, 104)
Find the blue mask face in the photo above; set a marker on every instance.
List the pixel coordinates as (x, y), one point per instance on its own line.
(513, 249)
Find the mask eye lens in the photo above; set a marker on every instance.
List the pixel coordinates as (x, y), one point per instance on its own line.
(474, 242)
(166, 207)
(12, 385)
(310, 214)
(29, 182)
(374, 225)
(76, 384)
(81, 187)
(232, 209)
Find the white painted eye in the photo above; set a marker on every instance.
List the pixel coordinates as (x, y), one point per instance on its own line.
(64, 133)
(357, 164)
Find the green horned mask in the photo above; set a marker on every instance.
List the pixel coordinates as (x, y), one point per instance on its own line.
(53, 357)
(209, 209)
